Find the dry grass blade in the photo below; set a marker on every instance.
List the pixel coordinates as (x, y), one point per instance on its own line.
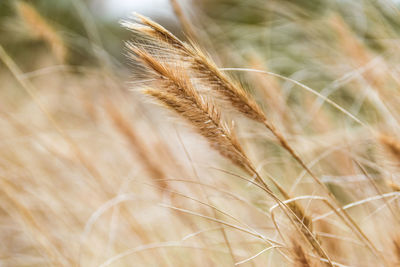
(396, 249)
(137, 147)
(186, 25)
(301, 258)
(392, 185)
(41, 29)
(34, 229)
(391, 144)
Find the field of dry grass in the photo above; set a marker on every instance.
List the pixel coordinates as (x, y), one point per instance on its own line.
(267, 134)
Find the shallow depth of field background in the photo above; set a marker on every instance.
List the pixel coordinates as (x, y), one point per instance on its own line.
(94, 173)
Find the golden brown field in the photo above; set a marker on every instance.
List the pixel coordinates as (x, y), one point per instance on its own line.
(258, 133)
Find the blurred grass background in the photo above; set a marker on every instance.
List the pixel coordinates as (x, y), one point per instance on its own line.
(78, 23)
(78, 187)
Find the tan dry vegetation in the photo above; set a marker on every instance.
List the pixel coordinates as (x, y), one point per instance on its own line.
(38, 27)
(95, 174)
